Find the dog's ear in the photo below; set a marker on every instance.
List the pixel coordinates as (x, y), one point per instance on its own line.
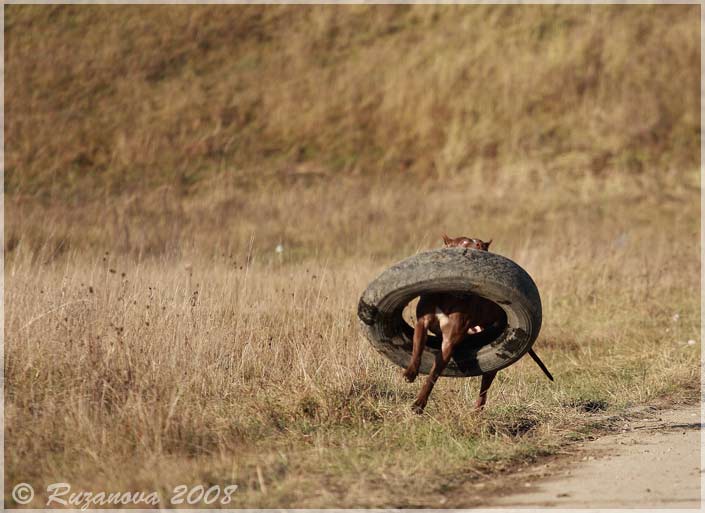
(446, 240)
(487, 244)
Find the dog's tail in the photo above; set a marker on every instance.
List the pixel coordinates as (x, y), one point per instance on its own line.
(540, 364)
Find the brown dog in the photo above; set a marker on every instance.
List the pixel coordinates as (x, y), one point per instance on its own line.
(452, 316)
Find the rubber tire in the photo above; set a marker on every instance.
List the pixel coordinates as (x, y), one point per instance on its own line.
(459, 270)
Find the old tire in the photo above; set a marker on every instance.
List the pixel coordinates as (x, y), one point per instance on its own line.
(458, 270)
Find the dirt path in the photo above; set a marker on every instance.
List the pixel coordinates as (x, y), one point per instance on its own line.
(653, 463)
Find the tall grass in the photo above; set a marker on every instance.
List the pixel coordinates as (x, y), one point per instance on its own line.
(237, 364)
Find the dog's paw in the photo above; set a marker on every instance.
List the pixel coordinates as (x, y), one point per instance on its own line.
(410, 375)
(417, 408)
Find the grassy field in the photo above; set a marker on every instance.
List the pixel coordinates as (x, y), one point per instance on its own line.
(153, 335)
(249, 368)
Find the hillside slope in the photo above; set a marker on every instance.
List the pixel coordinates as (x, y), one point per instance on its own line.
(133, 96)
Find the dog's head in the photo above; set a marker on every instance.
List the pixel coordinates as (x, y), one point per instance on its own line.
(466, 242)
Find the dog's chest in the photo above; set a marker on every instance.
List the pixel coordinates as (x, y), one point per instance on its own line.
(461, 320)
(442, 318)
(450, 312)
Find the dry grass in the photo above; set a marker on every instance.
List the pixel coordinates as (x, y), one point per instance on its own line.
(200, 366)
(122, 97)
(157, 156)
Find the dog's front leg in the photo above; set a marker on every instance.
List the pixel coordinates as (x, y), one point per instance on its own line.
(442, 359)
(420, 336)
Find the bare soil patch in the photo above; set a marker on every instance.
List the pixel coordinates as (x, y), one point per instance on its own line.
(652, 462)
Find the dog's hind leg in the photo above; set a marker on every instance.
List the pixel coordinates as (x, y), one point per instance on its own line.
(487, 380)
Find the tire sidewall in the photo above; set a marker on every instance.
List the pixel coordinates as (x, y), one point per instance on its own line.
(461, 270)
